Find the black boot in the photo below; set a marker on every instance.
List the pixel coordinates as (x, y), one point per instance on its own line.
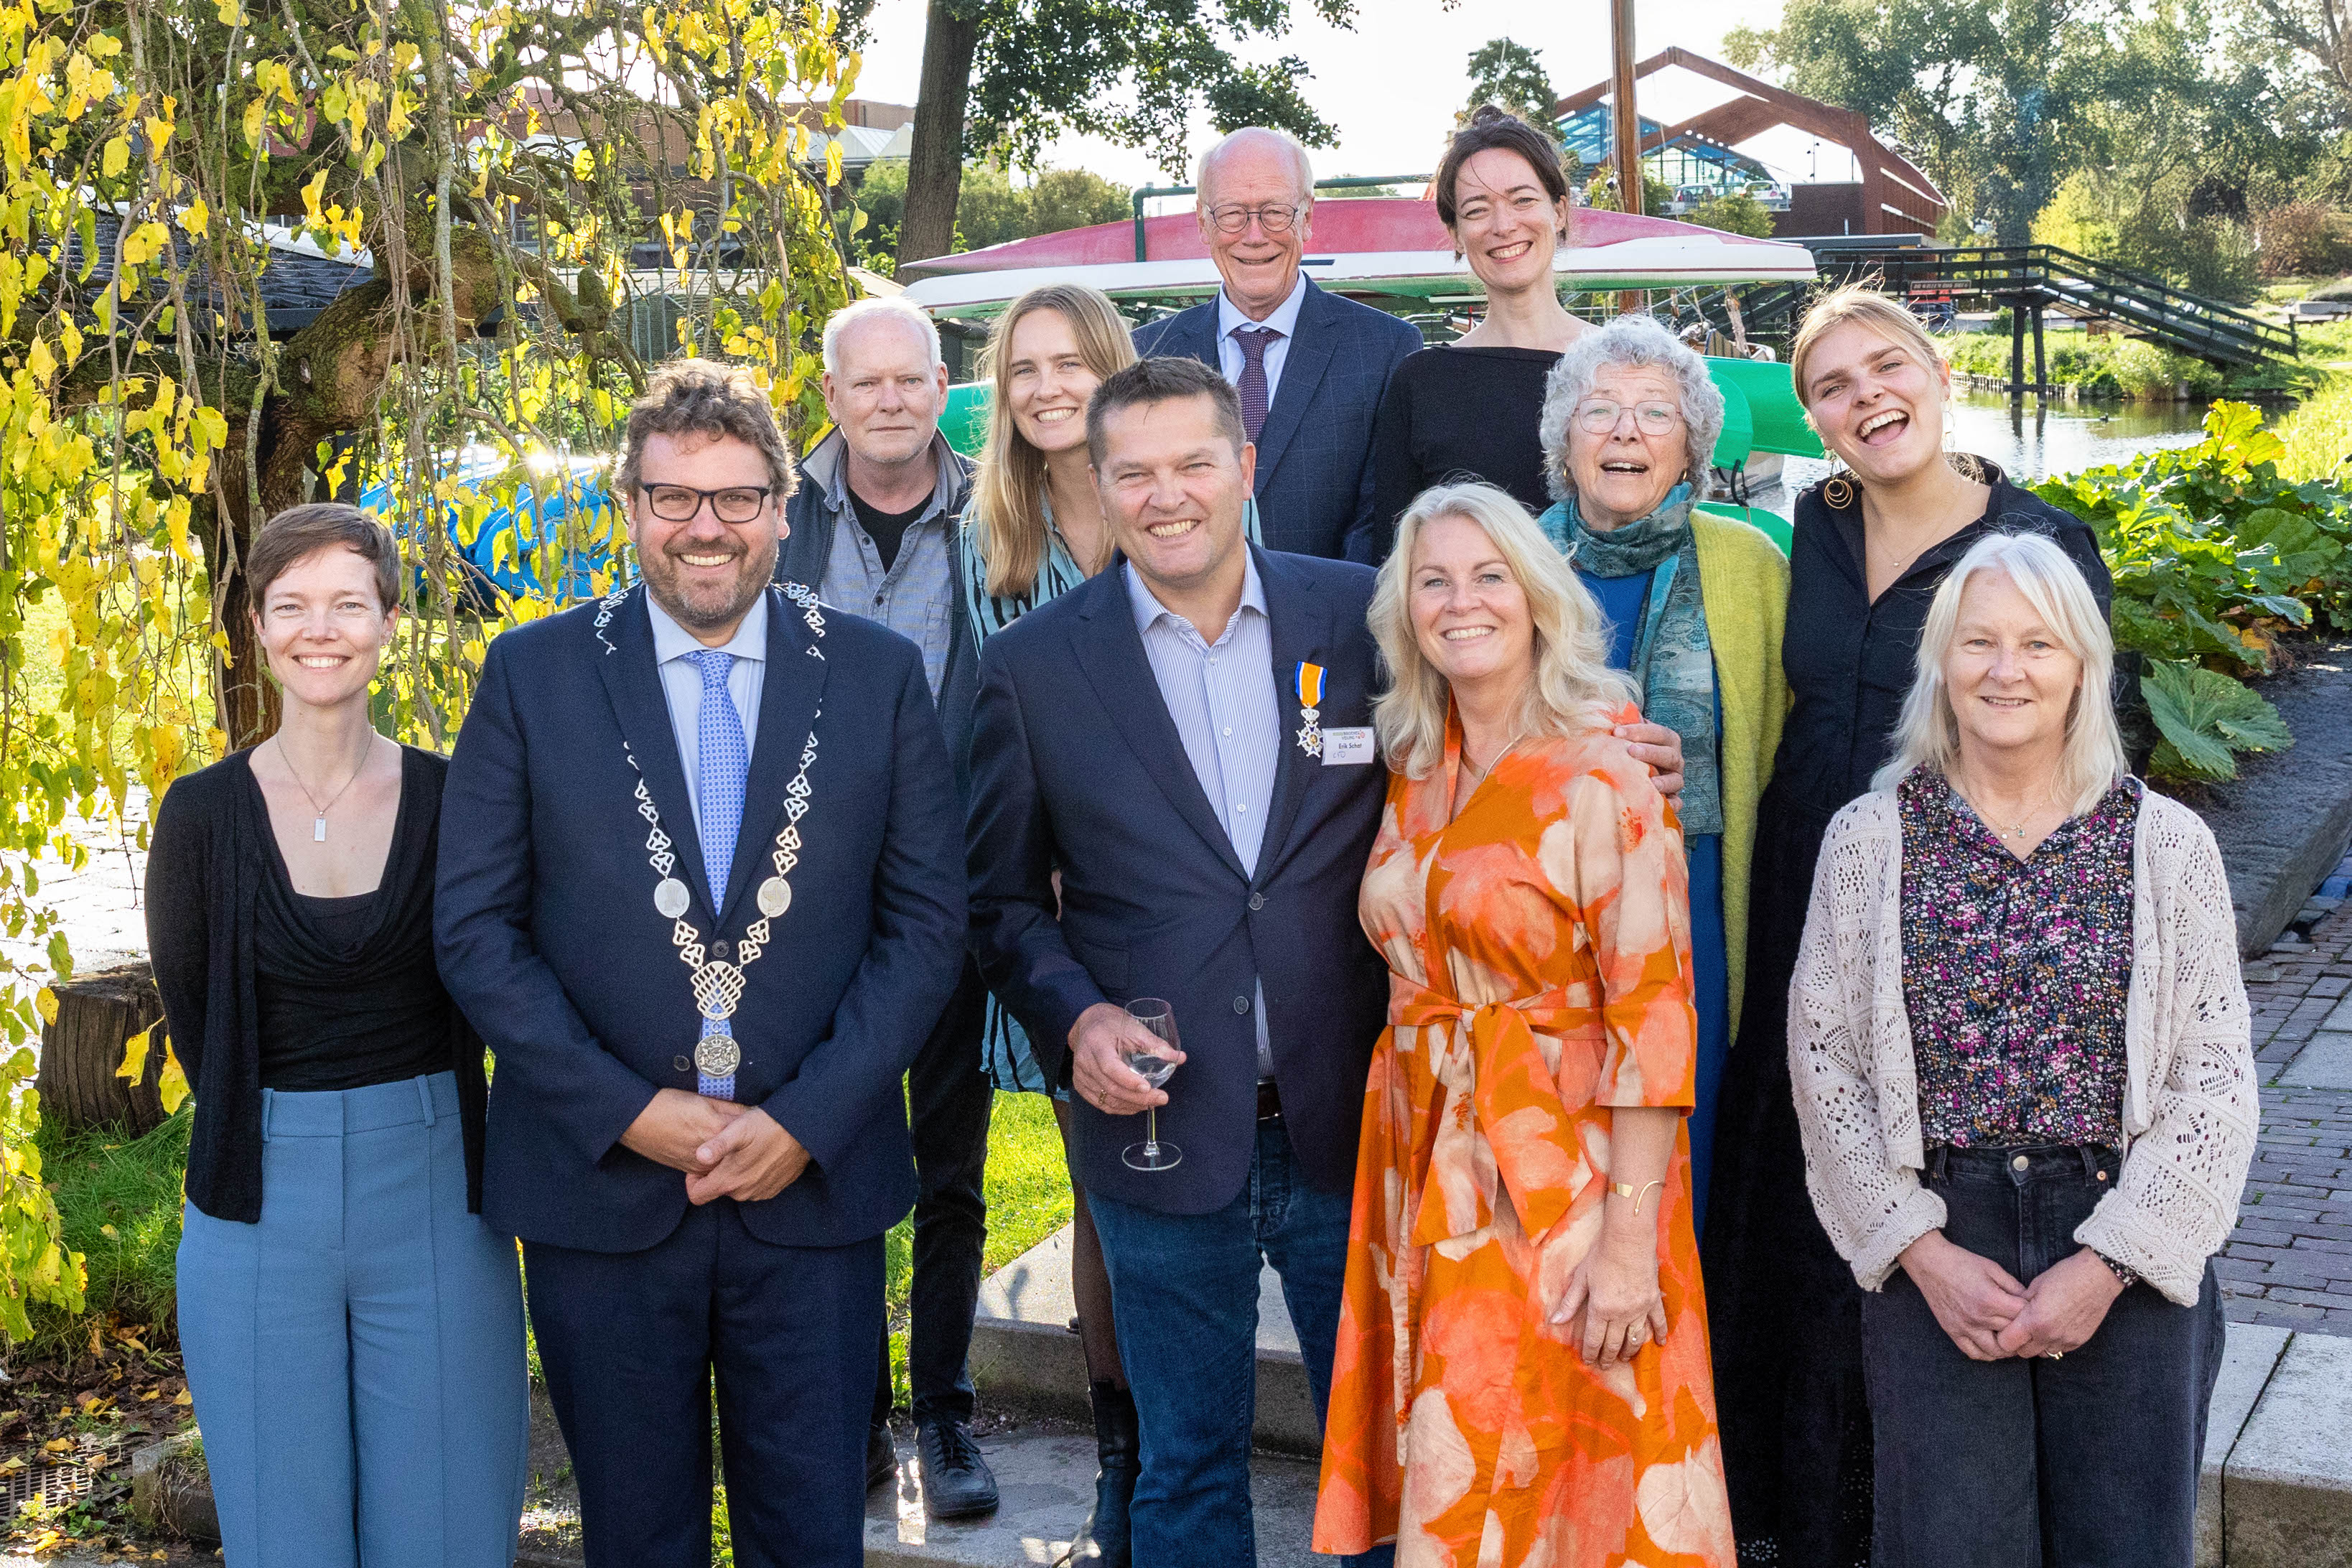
(1103, 1539)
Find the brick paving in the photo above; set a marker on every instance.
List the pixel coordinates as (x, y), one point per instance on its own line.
(2289, 1263)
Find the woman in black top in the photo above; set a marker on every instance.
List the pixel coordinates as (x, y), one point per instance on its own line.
(352, 1331)
(1468, 409)
(1871, 545)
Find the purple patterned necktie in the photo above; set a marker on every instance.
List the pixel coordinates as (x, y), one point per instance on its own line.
(1254, 340)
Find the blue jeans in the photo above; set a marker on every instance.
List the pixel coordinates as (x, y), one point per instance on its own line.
(1184, 1292)
(2089, 1461)
(357, 1356)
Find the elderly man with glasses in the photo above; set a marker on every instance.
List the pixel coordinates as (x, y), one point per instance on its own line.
(1310, 367)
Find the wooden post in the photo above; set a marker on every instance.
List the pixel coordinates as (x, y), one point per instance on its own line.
(97, 1015)
(1625, 124)
(1625, 129)
(2041, 373)
(2016, 348)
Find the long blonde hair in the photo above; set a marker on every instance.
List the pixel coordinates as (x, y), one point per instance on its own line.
(1928, 735)
(1008, 487)
(1574, 690)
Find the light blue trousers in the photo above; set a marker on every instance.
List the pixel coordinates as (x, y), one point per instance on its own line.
(357, 1356)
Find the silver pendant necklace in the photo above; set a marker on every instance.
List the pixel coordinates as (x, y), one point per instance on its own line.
(718, 982)
(319, 823)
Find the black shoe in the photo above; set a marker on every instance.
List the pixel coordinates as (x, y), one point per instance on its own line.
(957, 1482)
(881, 1458)
(1103, 1539)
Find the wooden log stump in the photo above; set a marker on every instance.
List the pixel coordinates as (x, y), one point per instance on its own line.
(97, 1015)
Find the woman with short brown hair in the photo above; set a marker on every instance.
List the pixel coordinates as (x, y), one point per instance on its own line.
(353, 1328)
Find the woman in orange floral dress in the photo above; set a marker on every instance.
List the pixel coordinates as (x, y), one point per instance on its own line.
(1522, 1374)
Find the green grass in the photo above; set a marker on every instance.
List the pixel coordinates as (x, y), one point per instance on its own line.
(2318, 432)
(119, 1200)
(1028, 1191)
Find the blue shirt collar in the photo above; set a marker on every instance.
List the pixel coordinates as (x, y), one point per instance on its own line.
(1147, 609)
(674, 641)
(1285, 319)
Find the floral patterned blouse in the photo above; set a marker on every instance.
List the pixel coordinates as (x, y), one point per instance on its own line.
(2015, 973)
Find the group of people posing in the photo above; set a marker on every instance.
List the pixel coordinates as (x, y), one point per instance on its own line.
(1728, 1062)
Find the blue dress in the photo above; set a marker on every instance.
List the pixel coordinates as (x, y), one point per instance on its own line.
(1621, 602)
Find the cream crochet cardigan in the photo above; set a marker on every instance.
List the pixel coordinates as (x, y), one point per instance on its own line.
(2190, 1102)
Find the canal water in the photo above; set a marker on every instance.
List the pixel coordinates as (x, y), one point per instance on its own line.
(2032, 441)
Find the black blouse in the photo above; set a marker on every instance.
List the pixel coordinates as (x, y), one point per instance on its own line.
(217, 897)
(1456, 413)
(1849, 659)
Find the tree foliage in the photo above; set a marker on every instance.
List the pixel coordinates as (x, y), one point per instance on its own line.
(1510, 76)
(990, 208)
(1001, 79)
(507, 183)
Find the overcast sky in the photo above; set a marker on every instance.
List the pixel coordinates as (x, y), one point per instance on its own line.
(1392, 83)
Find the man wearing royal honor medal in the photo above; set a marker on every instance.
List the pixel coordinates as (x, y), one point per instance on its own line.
(701, 891)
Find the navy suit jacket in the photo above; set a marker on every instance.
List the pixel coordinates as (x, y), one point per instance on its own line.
(1315, 452)
(549, 939)
(1076, 767)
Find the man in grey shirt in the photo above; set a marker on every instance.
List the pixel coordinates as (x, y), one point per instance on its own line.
(872, 530)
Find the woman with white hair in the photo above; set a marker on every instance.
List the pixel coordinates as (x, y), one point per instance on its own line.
(1522, 1369)
(2019, 1047)
(1694, 605)
(1872, 543)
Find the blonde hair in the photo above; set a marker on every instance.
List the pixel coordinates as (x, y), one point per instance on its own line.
(1856, 304)
(1574, 690)
(1928, 735)
(1007, 513)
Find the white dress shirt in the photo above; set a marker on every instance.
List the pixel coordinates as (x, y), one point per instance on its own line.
(681, 682)
(1284, 320)
(1222, 699)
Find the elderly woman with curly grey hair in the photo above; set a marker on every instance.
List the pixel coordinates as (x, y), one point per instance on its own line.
(1694, 605)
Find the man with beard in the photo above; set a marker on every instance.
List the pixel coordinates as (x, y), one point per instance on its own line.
(701, 890)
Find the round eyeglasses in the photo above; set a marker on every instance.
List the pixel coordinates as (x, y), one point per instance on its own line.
(680, 503)
(1272, 219)
(1599, 416)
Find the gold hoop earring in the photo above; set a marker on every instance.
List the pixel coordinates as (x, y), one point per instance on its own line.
(1838, 491)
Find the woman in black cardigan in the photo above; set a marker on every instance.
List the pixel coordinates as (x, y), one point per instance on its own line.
(352, 1331)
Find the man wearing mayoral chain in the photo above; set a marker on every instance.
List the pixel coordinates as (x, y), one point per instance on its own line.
(701, 890)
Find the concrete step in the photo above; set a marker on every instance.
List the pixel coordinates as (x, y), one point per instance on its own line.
(1025, 1357)
(2283, 1489)
(1045, 1475)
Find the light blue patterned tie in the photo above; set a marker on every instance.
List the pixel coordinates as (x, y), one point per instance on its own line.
(722, 761)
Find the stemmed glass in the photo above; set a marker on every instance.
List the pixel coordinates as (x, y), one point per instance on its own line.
(1159, 1018)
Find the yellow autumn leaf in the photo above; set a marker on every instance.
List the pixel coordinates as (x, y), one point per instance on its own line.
(41, 362)
(833, 163)
(197, 215)
(116, 158)
(134, 1058)
(583, 165)
(229, 14)
(183, 1397)
(58, 1445)
(46, 1003)
(106, 1231)
(255, 113)
(172, 1083)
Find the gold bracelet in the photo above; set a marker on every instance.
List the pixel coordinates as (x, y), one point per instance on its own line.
(1627, 1190)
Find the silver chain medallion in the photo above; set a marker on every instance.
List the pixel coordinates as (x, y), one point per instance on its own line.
(718, 984)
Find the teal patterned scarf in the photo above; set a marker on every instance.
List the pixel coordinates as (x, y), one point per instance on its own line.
(1673, 664)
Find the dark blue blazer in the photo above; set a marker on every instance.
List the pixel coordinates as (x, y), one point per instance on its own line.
(549, 939)
(1076, 767)
(1315, 452)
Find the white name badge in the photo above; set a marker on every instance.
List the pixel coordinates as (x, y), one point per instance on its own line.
(1349, 747)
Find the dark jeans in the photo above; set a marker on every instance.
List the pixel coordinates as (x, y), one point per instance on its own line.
(948, 1101)
(635, 1344)
(1184, 1292)
(2088, 1461)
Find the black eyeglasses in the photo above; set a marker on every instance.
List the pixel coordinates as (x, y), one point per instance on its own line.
(680, 503)
(1273, 220)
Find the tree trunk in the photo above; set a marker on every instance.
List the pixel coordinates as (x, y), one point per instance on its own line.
(96, 1016)
(935, 164)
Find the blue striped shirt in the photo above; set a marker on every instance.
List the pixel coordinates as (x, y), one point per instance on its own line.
(1221, 697)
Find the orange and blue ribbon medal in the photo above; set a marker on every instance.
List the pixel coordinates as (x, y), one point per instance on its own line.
(1310, 701)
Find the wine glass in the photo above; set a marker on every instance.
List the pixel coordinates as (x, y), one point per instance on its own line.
(1159, 1018)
